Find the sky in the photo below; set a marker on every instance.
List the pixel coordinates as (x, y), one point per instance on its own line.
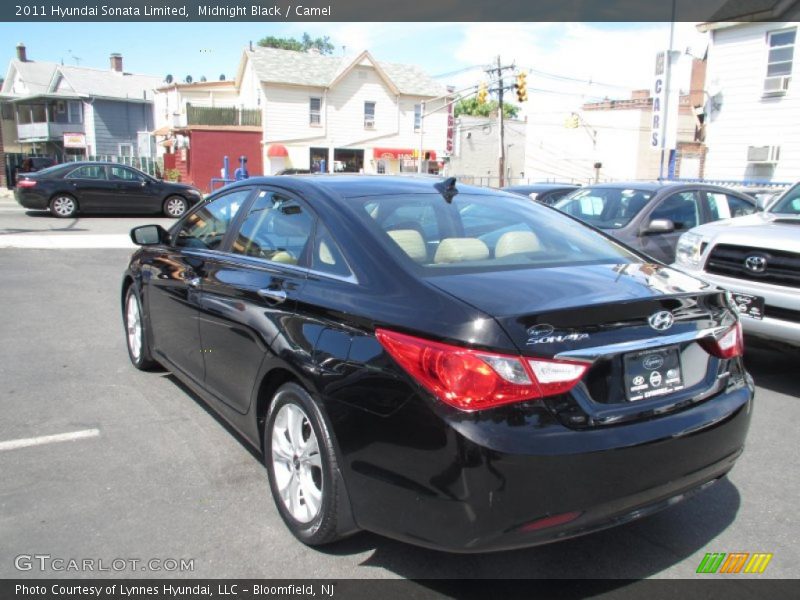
(569, 63)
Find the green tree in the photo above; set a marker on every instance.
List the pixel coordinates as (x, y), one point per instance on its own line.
(321, 44)
(471, 107)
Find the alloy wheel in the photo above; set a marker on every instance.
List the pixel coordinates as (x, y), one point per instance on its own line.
(297, 463)
(176, 207)
(64, 206)
(133, 324)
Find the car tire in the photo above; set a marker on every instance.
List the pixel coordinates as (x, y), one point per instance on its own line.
(63, 206)
(135, 332)
(175, 207)
(302, 464)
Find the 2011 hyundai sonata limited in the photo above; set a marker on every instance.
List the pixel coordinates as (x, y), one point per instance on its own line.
(452, 366)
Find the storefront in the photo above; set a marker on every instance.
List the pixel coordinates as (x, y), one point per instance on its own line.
(404, 160)
(348, 160)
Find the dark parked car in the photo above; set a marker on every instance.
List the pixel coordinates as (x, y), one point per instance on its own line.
(546, 193)
(459, 368)
(99, 187)
(652, 216)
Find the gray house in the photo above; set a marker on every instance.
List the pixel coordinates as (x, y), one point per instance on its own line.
(68, 111)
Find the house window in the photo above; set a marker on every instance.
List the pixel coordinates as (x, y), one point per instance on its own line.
(74, 112)
(315, 111)
(126, 149)
(417, 116)
(369, 115)
(779, 61)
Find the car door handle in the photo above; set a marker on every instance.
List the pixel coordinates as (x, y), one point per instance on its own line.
(276, 296)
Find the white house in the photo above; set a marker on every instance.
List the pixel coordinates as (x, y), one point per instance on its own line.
(753, 101)
(343, 113)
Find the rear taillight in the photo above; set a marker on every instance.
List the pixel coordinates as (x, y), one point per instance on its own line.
(472, 379)
(26, 183)
(729, 345)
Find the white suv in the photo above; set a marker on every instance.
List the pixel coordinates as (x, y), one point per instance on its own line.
(756, 258)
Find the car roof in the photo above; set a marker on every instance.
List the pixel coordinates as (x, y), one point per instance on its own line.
(541, 187)
(360, 185)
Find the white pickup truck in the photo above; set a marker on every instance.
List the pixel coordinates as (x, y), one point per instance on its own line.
(756, 258)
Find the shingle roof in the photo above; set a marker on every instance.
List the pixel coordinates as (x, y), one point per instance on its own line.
(273, 65)
(109, 84)
(41, 77)
(35, 74)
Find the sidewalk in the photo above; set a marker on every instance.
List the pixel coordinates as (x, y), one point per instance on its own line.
(6, 193)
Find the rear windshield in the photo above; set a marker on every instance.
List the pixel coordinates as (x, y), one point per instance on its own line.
(607, 208)
(789, 204)
(483, 233)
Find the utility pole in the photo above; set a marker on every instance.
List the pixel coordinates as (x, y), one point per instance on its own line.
(501, 163)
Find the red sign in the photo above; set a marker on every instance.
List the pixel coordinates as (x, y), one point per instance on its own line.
(399, 154)
(451, 124)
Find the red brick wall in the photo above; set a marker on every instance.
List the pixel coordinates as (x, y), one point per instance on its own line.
(207, 149)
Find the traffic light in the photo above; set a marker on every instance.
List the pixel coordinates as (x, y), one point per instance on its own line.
(522, 86)
(483, 93)
(572, 121)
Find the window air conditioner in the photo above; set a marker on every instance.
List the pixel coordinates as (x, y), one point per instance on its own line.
(763, 154)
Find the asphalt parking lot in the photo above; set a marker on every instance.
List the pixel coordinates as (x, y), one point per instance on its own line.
(154, 475)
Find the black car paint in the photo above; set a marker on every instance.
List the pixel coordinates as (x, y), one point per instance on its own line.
(416, 469)
(102, 196)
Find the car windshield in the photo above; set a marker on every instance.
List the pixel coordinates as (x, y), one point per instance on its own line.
(49, 170)
(789, 204)
(483, 233)
(607, 208)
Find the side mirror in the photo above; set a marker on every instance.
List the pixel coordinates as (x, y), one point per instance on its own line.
(149, 235)
(659, 226)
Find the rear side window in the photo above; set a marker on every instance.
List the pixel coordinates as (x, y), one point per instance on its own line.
(607, 208)
(482, 232)
(724, 206)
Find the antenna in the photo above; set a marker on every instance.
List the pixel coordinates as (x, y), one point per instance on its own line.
(77, 59)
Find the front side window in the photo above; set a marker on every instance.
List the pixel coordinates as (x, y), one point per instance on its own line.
(779, 61)
(482, 233)
(88, 172)
(206, 228)
(682, 209)
(315, 111)
(276, 228)
(369, 115)
(607, 208)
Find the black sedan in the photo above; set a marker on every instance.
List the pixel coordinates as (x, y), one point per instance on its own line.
(456, 367)
(101, 187)
(546, 193)
(652, 216)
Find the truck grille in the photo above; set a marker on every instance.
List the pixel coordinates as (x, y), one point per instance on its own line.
(780, 268)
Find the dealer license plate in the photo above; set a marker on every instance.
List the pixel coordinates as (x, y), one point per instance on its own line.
(749, 306)
(652, 373)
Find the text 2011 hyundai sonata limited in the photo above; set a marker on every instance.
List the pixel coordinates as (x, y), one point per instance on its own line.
(456, 367)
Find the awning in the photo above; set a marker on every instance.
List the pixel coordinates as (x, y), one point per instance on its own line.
(277, 151)
(161, 131)
(401, 154)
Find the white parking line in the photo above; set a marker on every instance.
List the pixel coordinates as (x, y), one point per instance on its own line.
(57, 241)
(49, 439)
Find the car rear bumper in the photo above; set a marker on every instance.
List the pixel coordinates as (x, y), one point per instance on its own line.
(30, 199)
(474, 494)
